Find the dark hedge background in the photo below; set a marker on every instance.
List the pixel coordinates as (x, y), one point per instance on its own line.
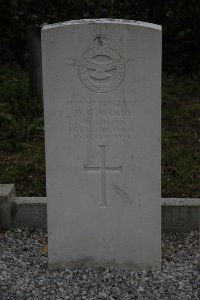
(180, 21)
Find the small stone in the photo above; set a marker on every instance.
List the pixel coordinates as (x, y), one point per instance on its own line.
(107, 276)
(140, 289)
(102, 295)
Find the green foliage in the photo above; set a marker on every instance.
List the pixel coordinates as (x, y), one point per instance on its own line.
(21, 139)
(181, 137)
(25, 167)
(20, 115)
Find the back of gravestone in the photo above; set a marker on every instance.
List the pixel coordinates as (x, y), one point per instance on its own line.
(102, 82)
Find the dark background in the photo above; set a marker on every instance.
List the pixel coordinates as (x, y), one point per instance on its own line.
(180, 21)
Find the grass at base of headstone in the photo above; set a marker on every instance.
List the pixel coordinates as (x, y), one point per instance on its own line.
(25, 168)
(22, 141)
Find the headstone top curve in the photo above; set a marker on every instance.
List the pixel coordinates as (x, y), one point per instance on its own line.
(103, 21)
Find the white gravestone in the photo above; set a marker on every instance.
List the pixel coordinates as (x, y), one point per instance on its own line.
(102, 82)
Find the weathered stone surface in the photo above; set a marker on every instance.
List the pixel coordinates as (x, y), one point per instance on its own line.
(7, 194)
(102, 81)
(29, 212)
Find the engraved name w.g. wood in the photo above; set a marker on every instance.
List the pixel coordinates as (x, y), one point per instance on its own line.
(101, 69)
(102, 169)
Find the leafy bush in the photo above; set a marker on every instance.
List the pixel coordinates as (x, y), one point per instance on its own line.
(181, 136)
(20, 115)
(21, 134)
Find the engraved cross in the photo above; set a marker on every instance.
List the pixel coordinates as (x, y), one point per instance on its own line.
(102, 169)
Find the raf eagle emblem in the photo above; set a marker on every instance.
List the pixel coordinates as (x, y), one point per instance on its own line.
(101, 69)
